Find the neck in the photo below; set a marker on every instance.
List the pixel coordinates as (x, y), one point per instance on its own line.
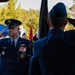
(14, 37)
(62, 28)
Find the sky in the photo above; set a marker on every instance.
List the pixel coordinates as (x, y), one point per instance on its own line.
(35, 4)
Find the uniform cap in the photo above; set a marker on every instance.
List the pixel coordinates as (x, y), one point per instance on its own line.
(59, 10)
(11, 23)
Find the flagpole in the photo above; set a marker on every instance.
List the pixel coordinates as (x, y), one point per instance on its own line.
(43, 26)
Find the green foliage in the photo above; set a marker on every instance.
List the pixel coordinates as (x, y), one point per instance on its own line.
(28, 17)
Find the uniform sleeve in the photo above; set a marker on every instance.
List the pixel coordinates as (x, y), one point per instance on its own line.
(70, 36)
(30, 48)
(0, 57)
(0, 46)
(34, 68)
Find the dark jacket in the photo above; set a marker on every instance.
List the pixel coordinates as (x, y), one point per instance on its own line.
(16, 62)
(54, 54)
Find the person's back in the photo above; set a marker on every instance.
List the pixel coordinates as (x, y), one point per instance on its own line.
(54, 54)
(57, 58)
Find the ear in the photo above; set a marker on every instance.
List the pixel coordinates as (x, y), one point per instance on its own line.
(18, 28)
(65, 22)
(49, 23)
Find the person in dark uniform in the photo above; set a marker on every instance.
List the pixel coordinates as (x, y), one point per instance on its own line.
(14, 51)
(55, 53)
